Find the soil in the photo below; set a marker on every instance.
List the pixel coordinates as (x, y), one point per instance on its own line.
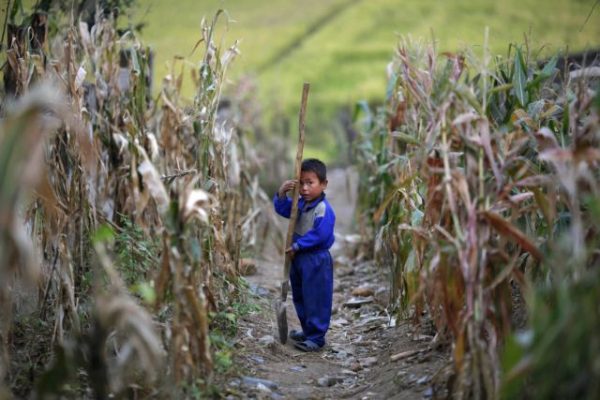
(369, 354)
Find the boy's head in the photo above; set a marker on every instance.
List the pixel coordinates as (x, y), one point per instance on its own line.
(316, 166)
(313, 179)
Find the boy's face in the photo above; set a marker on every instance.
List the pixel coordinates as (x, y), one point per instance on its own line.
(310, 185)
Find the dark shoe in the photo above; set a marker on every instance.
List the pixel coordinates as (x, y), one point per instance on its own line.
(297, 336)
(307, 346)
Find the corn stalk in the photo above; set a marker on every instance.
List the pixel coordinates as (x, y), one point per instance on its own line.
(462, 196)
(120, 155)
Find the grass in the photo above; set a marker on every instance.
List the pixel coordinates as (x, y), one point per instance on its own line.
(345, 58)
(343, 46)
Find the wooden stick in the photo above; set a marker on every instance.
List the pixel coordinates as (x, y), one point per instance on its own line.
(294, 213)
(405, 354)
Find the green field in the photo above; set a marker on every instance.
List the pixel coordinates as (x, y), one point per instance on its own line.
(342, 47)
(349, 43)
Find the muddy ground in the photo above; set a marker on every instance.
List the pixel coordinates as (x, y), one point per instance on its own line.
(369, 354)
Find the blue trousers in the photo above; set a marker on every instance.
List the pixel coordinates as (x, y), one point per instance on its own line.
(311, 278)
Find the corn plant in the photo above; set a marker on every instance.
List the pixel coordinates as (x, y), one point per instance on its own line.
(174, 173)
(557, 355)
(461, 196)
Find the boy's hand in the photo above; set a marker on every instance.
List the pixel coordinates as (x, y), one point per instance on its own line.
(286, 187)
(290, 250)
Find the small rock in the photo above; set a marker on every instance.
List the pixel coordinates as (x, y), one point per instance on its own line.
(339, 322)
(296, 369)
(328, 381)
(342, 352)
(258, 290)
(423, 380)
(412, 378)
(355, 366)
(363, 291)
(348, 372)
(257, 359)
(358, 302)
(263, 388)
(368, 362)
(428, 393)
(254, 382)
(345, 272)
(266, 340)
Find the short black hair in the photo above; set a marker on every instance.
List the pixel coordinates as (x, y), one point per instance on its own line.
(316, 166)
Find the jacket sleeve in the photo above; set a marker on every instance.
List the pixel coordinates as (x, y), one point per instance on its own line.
(283, 205)
(321, 231)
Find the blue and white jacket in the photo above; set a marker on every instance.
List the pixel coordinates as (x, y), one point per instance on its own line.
(314, 227)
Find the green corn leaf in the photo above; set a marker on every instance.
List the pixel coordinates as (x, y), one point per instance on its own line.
(501, 88)
(550, 67)
(146, 292)
(548, 70)
(17, 6)
(103, 234)
(391, 86)
(520, 79)
(405, 137)
(468, 95)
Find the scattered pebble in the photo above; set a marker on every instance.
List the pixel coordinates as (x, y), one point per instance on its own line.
(356, 302)
(368, 362)
(266, 340)
(355, 366)
(328, 381)
(423, 380)
(363, 291)
(254, 382)
(263, 388)
(258, 290)
(339, 322)
(257, 359)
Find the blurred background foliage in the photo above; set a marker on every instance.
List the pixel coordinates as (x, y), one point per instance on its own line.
(343, 46)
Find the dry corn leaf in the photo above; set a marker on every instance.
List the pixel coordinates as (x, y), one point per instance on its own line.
(154, 184)
(197, 204)
(506, 228)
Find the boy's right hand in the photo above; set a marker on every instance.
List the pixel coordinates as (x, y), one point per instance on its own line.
(286, 187)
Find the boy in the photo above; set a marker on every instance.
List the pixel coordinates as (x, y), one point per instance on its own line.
(311, 273)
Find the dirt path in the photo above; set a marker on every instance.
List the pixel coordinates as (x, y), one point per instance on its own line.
(363, 341)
